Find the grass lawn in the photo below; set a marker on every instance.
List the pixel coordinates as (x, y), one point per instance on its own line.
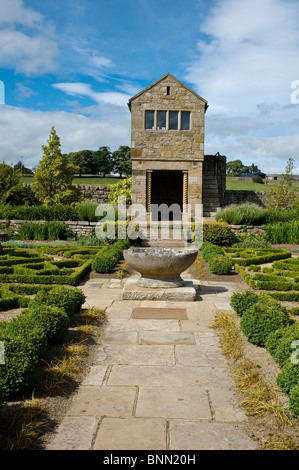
(231, 183)
(236, 185)
(84, 181)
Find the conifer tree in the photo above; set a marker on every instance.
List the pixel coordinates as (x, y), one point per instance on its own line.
(54, 175)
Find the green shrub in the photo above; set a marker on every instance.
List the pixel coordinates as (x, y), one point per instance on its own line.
(288, 377)
(107, 260)
(220, 264)
(54, 320)
(257, 179)
(219, 234)
(64, 297)
(294, 401)
(208, 251)
(25, 344)
(60, 212)
(262, 318)
(242, 301)
(279, 343)
(121, 189)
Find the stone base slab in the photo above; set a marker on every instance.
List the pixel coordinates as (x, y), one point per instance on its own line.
(132, 291)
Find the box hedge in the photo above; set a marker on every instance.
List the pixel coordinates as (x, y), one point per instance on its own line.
(26, 337)
(71, 299)
(262, 318)
(242, 301)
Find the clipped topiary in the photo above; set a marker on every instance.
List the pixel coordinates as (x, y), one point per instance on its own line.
(218, 233)
(24, 345)
(220, 264)
(262, 318)
(279, 343)
(69, 299)
(289, 376)
(241, 301)
(54, 320)
(294, 401)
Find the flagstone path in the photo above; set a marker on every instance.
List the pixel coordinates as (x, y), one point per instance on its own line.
(159, 380)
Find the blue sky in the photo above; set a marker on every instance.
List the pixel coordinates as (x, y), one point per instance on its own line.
(74, 64)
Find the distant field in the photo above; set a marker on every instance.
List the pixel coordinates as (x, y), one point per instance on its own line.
(84, 181)
(236, 185)
(231, 183)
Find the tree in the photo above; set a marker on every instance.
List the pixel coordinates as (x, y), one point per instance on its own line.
(236, 168)
(23, 169)
(54, 175)
(85, 160)
(282, 194)
(12, 190)
(103, 161)
(122, 160)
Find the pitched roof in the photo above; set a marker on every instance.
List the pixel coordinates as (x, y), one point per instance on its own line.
(159, 80)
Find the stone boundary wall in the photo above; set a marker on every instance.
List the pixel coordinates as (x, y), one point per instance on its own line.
(85, 227)
(80, 227)
(98, 194)
(241, 196)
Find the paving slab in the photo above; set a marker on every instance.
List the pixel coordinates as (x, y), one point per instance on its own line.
(199, 357)
(165, 337)
(162, 313)
(114, 325)
(176, 402)
(103, 400)
(131, 434)
(75, 433)
(196, 435)
(135, 354)
(176, 376)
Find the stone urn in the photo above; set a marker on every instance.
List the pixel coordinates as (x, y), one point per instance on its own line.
(160, 267)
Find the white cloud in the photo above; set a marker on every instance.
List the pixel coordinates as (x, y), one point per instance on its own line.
(250, 54)
(244, 66)
(28, 55)
(28, 43)
(14, 11)
(83, 89)
(76, 132)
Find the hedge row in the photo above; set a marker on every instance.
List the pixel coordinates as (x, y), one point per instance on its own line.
(219, 263)
(277, 278)
(36, 268)
(10, 299)
(248, 256)
(266, 323)
(108, 259)
(27, 337)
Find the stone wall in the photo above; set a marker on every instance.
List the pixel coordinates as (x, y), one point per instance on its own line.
(78, 227)
(239, 197)
(98, 194)
(214, 180)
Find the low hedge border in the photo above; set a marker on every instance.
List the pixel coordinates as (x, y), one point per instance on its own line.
(266, 323)
(218, 262)
(26, 338)
(250, 256)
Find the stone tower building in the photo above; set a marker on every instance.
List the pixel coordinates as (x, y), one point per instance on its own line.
(167, 144)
